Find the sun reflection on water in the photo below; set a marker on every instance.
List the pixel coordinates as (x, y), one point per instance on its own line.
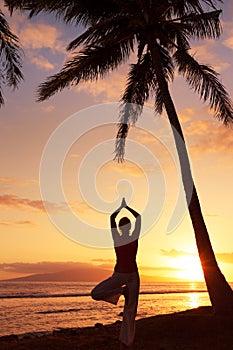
(194, 300)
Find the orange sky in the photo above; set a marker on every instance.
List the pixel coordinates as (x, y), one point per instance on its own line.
(30, 242)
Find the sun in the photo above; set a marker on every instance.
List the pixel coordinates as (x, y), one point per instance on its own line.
(189, 268)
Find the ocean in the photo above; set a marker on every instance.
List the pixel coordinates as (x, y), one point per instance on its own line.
(46, 306)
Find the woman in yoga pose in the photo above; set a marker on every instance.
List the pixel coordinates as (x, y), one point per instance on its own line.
(125, 279)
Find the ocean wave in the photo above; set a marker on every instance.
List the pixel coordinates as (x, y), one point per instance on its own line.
(41, 295)
(69, 295)
(57, 311)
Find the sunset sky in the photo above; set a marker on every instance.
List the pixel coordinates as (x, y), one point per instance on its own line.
(29, 240)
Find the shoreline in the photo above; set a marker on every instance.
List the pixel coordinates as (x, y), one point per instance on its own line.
(195, 329)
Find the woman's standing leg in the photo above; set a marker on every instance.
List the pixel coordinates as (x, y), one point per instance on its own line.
(127, 331)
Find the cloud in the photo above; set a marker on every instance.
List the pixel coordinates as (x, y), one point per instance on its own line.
(5, 223)
(173, 253)
(17, 223)
(39, 39)
(160, 268)
(209, 136)
(75, 155)
(228, 34)
(187, 114)
(206, 54)
(40, 35)
(42, 62)
(48, 109)
(154, 144)
(107, 89)
(24, 222)
(104, 263)
(211, 215)
(229, 42)
(111, 87)
(36, 34)
(40, 267)
(126, 168)
(225, 257)
(80, 206)
(198, 128)
(144, 137)
(6, 182)
(103, 260)
(11, 200)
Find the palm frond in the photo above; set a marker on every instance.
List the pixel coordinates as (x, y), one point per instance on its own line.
(128, 111)
(10, 56)
(11, 63)
(181, 8)
(205, 25)
(91, 64)
(172, 35)
(90, 12)
(204, 80)
(36, 6)
(1, 92)
(139, 81)
(159, 101)
(102, 32)
(82, 12)
(137, 91)
(167, 63)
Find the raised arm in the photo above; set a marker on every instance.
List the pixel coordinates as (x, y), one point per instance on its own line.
(115, 233)
(113, 218)
(137, 228)
(115, 213)
(132, 211)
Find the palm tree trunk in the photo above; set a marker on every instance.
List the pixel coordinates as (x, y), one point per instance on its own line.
(220, 292)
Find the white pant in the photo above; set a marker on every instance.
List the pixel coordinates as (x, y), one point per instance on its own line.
(111, 289)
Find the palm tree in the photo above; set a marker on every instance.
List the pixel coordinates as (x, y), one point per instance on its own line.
(10, 57)
(160, 33)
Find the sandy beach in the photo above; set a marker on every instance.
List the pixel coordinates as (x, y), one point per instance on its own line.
(189, 330)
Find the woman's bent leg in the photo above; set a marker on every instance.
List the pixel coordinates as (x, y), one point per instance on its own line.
(109, 290)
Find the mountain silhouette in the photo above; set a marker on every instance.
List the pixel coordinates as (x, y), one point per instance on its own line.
(72, 275)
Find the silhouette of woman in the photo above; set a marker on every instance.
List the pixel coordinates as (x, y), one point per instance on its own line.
(125, 279)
